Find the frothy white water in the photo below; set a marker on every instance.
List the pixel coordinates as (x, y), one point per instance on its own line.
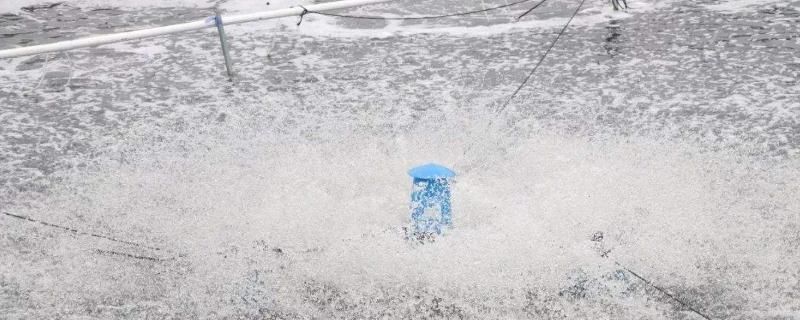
(479, 25)
(235, 6)
(294, 208)
(496, 22)
(738, 6)
(263, 216)
(16, 6)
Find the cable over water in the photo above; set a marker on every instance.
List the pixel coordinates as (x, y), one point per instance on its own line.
(79, 232)
(544, 56)
(449, 15)
(525, 81)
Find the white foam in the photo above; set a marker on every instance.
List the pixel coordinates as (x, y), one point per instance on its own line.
(15, 6)
(733, 6)
(142, 48)
(250, 6)
(330, 27)
(327, 186)
(230, 7)
(592, 14)
(334, 206)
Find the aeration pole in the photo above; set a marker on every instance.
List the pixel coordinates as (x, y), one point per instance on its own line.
(224, 43)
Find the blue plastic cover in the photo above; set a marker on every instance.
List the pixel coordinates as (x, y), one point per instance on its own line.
(431, 171)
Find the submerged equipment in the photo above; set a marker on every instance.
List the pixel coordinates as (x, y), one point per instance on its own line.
(430, 199)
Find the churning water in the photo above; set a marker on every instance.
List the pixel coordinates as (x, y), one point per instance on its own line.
(663, 140)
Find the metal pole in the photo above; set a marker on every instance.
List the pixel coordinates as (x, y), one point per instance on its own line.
(196, 25)
(224, 44)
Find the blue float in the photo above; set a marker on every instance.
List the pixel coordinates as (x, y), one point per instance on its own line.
(430, 198)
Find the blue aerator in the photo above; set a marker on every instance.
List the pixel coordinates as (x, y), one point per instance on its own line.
(430, 198)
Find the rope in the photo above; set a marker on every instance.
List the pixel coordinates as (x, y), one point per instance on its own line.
(528, 77)
(663, 291)
(618, 6)
(78, 232)
(128, 255)
(597, 237)
(303, 14)
(541, 60)
(530, 10)
(420, 17)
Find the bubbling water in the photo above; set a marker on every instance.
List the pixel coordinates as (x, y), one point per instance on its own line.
(262, 217)
(293, 207)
